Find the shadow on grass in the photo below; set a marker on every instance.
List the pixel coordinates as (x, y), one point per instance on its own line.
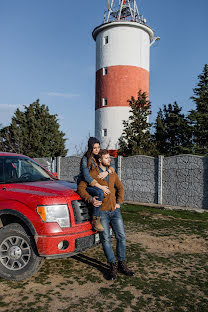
(100, 266)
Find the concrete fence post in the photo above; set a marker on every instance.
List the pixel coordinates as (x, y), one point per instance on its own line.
(58, 166)
(160, 179)
(119, 167)
(53, 164)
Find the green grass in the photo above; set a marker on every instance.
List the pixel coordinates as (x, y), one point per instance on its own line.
(174, 222)
(165, 281)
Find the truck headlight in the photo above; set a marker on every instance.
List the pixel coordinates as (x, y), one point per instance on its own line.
(55, 213)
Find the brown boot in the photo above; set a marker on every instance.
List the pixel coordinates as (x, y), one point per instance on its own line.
(122, 268)
(113, 271)
(96, 224)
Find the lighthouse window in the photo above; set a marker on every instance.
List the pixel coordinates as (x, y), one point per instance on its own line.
(104, 132)
(105, 101)
(105, 71)
(105, 40)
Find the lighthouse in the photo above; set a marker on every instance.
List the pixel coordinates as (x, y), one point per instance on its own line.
(122, 68)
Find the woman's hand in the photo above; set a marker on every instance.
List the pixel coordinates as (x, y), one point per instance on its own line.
(103, 175)
(105, 189)
(95, 201)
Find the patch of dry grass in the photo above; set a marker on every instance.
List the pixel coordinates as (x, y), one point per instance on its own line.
(167, 251)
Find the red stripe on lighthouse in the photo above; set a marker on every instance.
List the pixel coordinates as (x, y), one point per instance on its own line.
(119, 84)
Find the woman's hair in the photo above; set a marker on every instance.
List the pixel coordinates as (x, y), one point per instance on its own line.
(88, 154)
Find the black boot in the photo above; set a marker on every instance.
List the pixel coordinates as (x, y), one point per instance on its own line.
(113, 271)
(122, 268)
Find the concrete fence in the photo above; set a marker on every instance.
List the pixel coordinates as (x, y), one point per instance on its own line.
(177, 180)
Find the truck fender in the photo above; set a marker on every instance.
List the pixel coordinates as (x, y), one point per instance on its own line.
(20, 215)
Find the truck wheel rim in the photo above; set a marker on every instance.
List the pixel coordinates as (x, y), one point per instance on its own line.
(15, 253)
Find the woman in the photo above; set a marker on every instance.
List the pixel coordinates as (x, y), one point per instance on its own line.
(88, 162)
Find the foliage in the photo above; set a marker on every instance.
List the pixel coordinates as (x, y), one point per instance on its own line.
(172, 131)
(136, 138)
(199, 117)
(34, 132)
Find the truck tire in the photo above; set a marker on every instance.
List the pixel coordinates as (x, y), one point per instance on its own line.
(18, 257)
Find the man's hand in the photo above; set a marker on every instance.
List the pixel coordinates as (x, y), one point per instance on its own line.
(96, 202)
(117, 206)
(105, 189)
(103, 175)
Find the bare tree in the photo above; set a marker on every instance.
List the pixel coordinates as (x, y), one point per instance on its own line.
(81, 148)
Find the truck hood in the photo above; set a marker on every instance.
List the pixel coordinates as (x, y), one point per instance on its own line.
(44, 188)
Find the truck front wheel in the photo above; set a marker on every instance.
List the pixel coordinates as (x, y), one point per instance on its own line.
(18, 256)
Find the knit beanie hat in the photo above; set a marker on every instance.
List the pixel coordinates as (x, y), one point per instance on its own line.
(92, 141)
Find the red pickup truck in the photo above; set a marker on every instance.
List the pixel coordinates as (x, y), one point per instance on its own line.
(40, 217)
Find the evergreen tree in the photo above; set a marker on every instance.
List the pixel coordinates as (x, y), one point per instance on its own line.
(136, 138)
(199, 117)
(160, 133)
(34, 132)
(172, 131)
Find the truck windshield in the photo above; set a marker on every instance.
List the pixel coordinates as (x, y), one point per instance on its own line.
(14, 169)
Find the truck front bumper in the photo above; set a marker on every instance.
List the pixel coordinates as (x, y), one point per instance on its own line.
(66, 245)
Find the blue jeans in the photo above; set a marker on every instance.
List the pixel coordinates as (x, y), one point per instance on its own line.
(95, 191)
(113, 218)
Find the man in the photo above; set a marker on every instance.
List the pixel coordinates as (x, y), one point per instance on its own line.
(110, 213)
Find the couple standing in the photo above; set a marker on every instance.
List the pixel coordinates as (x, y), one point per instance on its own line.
(99, 184)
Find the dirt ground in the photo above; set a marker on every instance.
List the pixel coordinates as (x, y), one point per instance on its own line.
(167, 245)
(59, 292)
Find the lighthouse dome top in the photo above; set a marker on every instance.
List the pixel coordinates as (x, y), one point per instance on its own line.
(123, 12)
(123, 9)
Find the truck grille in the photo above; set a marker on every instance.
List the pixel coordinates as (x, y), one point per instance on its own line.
(82, 212)
(84, 243)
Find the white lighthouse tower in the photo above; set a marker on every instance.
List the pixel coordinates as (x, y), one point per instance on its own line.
(122, 68)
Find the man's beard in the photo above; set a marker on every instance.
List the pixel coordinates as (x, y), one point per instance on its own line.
(106, 165)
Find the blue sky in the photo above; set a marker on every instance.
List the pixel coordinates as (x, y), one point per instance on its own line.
(47, 52)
